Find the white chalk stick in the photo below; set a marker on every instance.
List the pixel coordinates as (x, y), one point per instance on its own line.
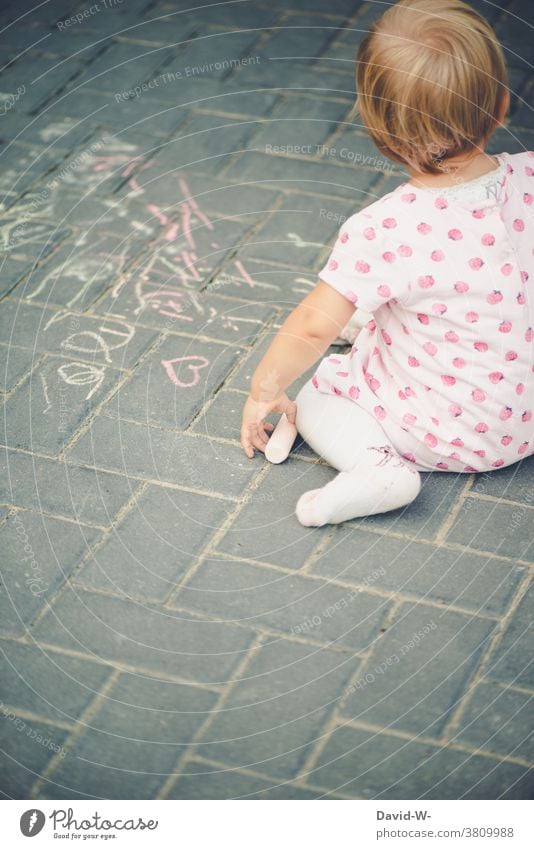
(280, 441)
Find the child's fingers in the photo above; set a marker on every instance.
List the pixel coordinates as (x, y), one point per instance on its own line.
(253, 437)
(246, 441)
(291, 412)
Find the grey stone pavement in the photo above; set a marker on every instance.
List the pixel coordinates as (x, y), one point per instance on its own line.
(167, 628)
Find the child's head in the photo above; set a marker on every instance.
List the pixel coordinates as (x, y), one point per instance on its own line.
(431, 81)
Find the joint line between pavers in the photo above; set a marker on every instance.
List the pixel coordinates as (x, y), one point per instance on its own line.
(445, 527)
(85, 426)
(276, 782)
(335, 716)
(433, 741)
(31, 716)
(392, 594)
(87, 714)
(252, 650)
(454, 722)
(5, 396)
(113, 664)
(210, 546)
(51, 600)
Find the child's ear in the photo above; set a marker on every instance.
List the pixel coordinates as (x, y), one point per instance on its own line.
(503, 108)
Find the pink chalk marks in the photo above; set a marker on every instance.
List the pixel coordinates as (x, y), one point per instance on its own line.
(178, 253)
(195, 364)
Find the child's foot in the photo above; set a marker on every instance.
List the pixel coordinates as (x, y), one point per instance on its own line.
(361, 492)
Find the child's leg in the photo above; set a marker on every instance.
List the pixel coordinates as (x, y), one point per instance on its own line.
(373, 477)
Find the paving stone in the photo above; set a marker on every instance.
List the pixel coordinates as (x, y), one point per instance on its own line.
(14, 269)
(277, 711)
(143, 635)
(63, 489)
(216, 96)
(513, 30)
(135, 738)
(301, 36)
(303, 121)
(238, 592)
(512, 139)
(155, 177)
(150, 294)
(35, 15)
(39, 554)
(104, 162)
(22, 166)
(58, 136)
(99, 340)
(214, 54)
(207, 142)
(378, 766)
(201, 781)
(121, 67)
(418, 670)
(191, 247)
(174, 383)
(46, 410)
(125, 217)
(155, 543)
(23, 243)
(298, 230)
(194, 314)
(204, 17)
(80, 270)
(283, 172)
(23, 757)
(223, 417)
(487, 10)
(513, 483)
(206, 196)
(168, 30)
(17, 362)
(460, 578)
(510, 661)
(502, 528)
(266, 283)
(41, 79)
(144, 113)
(354, 148)
(48, 683)
(274, 535)
(118, 20)
(149, 452)
(424, 517)
(524, 117)
(287, 74)
(498, 720)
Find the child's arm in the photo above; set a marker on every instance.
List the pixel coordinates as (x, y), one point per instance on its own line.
(303, 338)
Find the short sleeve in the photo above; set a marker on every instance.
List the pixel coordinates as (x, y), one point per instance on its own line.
(363, 264)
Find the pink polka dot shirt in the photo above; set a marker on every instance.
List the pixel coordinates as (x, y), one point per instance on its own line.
(446, 363)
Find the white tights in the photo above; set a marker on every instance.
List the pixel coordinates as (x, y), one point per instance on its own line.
(372, 477)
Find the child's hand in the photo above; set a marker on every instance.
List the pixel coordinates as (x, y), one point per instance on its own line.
(254, 428)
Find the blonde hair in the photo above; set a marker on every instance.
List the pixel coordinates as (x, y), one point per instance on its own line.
(431, 79)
